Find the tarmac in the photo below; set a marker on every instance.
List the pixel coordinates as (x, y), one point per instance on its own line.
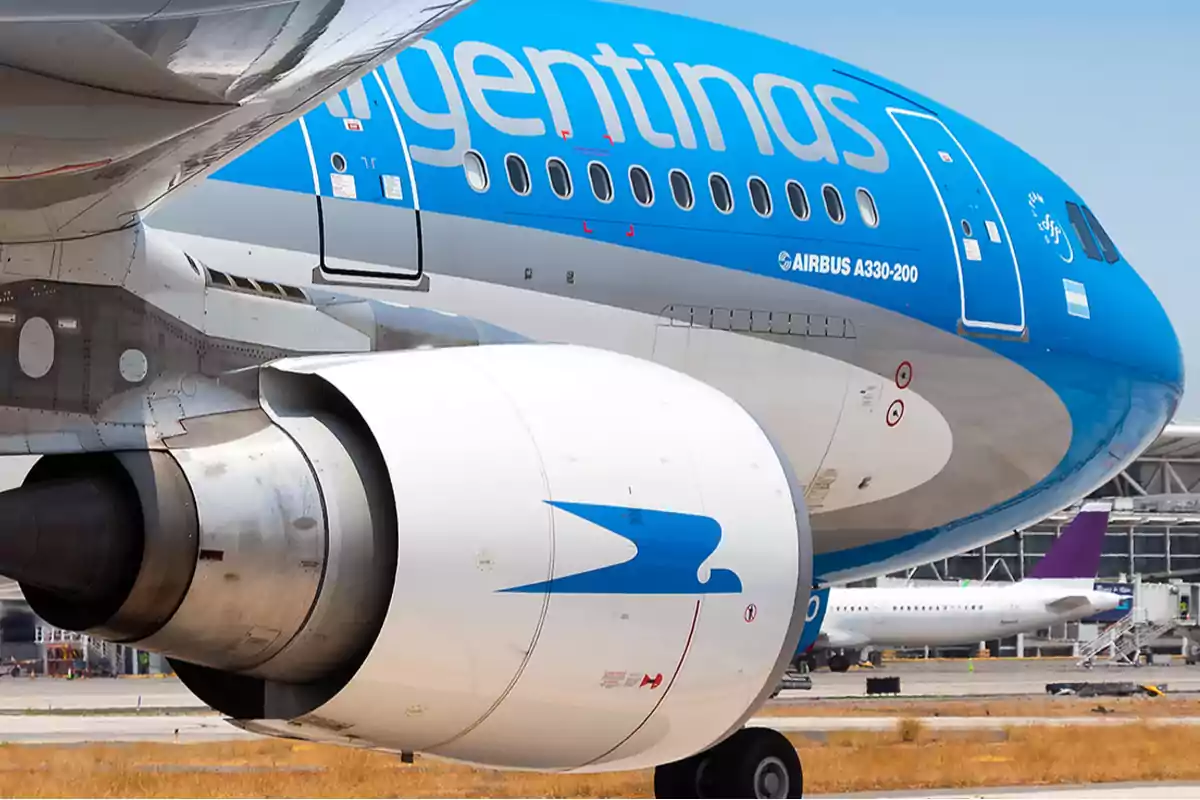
(76, 729)
(92, 694)
(987, 678)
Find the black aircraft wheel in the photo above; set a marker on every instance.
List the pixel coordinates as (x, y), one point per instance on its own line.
(757, 762)
(839, 664)
(682, 779)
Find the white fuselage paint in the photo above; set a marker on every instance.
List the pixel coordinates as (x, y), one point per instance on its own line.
(952, 615)
(826, 414)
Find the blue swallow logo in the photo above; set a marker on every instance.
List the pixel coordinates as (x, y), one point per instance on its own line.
(670, 549)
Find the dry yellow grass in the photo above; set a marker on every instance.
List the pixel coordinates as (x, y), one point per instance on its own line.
(1136, 752)
(1137, 707)
(910, 757)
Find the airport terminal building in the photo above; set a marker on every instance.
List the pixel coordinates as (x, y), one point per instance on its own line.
(1151, 551)
(1153, 531)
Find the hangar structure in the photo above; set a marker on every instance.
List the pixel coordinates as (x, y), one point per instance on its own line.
(1153, 531)
(1151, 551)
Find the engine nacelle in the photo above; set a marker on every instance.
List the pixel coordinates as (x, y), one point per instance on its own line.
(529, 556)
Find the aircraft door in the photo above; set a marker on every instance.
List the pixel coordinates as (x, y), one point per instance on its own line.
(988, 272)
(366, 194)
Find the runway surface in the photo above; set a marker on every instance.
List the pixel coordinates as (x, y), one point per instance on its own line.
(991, 677)
(68, 729)
(47, 694)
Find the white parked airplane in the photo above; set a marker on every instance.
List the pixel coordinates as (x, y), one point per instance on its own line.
(1058, 589)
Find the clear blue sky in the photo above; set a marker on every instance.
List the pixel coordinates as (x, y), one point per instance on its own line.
(1106, 93)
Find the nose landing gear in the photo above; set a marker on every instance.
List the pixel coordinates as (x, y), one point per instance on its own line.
(754, 762)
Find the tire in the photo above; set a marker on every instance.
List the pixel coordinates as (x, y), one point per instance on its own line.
(679, 779)
(757, 762)
(839, 664)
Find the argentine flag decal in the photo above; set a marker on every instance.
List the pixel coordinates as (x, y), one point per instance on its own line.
(1077, 302)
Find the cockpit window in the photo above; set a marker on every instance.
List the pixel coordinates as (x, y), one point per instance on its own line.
(1106, 244)
(1083, 232)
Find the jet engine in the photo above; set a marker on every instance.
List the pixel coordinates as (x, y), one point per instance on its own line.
(523, 555)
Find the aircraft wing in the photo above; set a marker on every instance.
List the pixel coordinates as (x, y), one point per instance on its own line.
(838, 637)
(1068, 604)
(106, 106)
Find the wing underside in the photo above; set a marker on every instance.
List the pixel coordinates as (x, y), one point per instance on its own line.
(106, 106)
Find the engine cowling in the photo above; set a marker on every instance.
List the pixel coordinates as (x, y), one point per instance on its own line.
(530, 556)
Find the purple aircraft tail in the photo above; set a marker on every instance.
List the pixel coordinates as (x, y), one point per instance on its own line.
(1076, 553)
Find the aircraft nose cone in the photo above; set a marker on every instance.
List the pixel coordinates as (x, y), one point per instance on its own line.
(1105, 601)
(1140, 335)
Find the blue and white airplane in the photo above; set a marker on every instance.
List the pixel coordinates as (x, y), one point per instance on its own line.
(496, 380)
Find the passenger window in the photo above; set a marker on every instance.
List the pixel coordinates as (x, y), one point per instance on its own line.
(1106, 244)
(798, 200)
(760, 196)
(601, 181)
(639, 182)
(966, 228)
(867, 207)
(560, 177)
(681, 187)
(721, 194)
(833, 203)
(476, 171)
(1083, 232)
(518, 174)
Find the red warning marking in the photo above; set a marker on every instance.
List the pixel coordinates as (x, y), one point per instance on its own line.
(565, 134)
(904, 375)
(751, 613)
(630, 231)
(609, 137)
(586, 229)
(895, 412)
(654, 682)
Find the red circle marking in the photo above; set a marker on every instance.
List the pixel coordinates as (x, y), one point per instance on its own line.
(904, 375)
(896, 410)
(751, 613)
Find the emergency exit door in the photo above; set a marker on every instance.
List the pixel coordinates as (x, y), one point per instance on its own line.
(988, 273)
(367, 214)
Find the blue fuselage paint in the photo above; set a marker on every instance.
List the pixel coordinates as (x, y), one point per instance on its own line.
(942, 222)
